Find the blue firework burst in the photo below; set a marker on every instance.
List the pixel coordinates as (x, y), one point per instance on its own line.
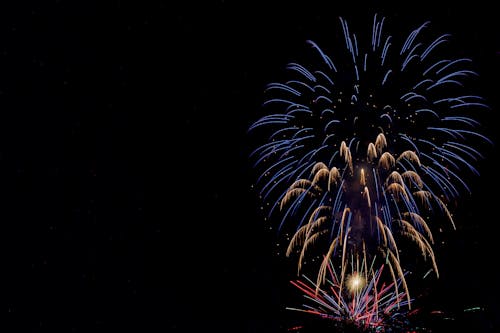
(363, 147)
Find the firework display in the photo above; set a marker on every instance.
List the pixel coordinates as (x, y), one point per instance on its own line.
(359, 297)
(366, 152)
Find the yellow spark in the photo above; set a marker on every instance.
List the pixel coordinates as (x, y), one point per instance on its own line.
(372, 152)
(386, 161)
(409, 155)
(362, 177)
(355, 282)
(380, 142)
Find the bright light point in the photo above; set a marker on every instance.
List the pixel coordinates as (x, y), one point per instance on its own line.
(355, 282)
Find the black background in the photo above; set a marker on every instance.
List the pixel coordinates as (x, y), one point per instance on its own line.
(125, 201)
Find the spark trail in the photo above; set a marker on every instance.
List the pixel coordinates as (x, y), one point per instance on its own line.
(360, 298)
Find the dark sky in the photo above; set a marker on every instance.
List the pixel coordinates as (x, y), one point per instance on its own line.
(125, 202)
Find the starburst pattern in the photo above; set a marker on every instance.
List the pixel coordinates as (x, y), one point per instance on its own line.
(366, 152)
(363, 151)
(361, 298)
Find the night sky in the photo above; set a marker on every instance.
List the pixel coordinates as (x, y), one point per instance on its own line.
(125, 200)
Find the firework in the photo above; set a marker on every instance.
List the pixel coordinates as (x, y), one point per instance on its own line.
(362, 300)
(365, 147)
